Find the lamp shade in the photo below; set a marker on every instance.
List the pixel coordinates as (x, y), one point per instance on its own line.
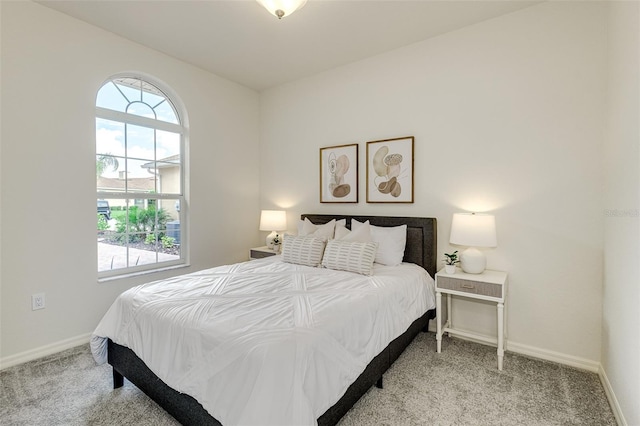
(473, 230)
(273, 220)
(282, 8)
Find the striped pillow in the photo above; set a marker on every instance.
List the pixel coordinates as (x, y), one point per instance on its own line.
(305, 250)
(350, 256)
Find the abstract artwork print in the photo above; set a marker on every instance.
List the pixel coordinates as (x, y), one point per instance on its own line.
(339, 174)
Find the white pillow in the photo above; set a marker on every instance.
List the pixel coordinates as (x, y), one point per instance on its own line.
(351, 256)
(324, 231)
(340, 232)
(391, 242)
(306, 250)
(362, 234)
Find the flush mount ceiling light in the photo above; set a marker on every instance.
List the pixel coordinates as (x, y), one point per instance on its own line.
(282, 8)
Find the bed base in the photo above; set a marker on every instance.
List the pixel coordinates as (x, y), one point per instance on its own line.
(188, 411)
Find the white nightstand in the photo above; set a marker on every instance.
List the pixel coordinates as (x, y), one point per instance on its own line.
(260, 252)
(489, 285)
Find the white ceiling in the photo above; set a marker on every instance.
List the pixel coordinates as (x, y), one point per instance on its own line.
(239, 40)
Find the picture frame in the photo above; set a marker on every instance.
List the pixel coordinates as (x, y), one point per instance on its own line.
(339, 174)
(390, 170)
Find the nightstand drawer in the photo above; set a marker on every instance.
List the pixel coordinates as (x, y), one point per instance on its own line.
(260, 253)
(467, 286)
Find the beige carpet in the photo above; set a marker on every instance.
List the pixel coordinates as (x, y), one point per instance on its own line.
(460, 386)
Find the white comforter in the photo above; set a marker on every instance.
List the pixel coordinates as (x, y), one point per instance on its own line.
(265, 342)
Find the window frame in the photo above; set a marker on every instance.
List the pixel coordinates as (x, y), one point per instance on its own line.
(137, 120)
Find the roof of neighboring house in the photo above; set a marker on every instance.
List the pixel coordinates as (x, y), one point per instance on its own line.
(134, 184)
(163, 163)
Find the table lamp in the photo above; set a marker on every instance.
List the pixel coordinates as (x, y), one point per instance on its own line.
(473, 230)
(274, 221)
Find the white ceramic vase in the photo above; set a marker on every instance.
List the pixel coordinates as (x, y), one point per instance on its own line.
(450, 269)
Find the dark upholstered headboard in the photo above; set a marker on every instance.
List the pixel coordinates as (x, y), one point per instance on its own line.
(422, 240)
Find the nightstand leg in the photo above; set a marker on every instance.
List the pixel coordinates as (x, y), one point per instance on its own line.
(500, 335)
(438, 322)
(449, 313)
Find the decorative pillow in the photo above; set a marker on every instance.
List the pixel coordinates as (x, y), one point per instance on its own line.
(306, 250)
(391, 242)
(361, 234)
(323, 231)
(350, 256)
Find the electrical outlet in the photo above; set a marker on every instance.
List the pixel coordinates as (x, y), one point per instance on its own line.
(37, 301)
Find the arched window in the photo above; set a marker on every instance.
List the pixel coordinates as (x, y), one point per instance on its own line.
(139, 177)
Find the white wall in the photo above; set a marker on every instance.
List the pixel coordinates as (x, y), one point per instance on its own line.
(507, 117)
(52, 66)
(621, 301)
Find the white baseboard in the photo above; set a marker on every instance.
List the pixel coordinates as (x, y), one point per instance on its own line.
(613, 401)
(532, 351)
(50, 349)
(560, 358)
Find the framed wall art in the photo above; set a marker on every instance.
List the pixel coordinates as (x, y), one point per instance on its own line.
(339, 174)
(390, 170)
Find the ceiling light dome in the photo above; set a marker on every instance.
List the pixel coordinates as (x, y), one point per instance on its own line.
(282, 8)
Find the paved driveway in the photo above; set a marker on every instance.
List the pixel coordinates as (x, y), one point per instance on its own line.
(115, 257)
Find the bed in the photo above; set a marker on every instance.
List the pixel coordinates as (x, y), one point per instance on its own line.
(420, 250)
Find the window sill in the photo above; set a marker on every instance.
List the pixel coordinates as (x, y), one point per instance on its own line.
(139, 273)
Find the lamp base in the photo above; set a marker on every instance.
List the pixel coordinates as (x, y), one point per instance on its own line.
(270, 238)
(473, 261)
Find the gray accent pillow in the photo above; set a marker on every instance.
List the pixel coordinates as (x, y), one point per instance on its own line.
(306, 250)
(352, 256)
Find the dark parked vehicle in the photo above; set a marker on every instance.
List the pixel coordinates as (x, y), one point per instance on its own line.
(104, 209)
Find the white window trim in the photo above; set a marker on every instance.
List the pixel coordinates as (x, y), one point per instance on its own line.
(123, 117)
